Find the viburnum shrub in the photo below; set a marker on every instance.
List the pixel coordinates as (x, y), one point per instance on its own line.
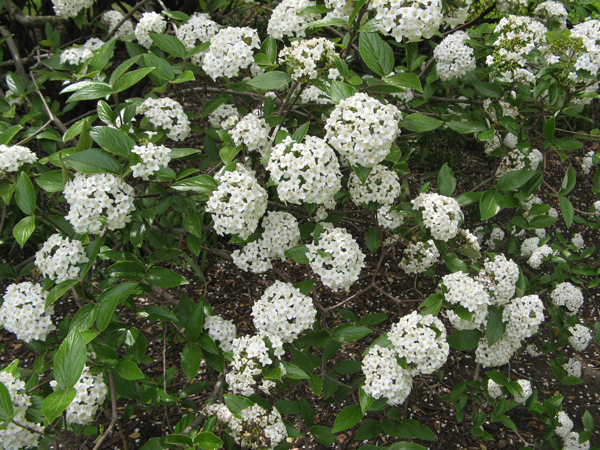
(318, 143)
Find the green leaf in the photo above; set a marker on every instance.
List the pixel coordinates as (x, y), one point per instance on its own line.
(568, 181)
(446, 181)
(588, 421)
(194, 322)
(498, 377)
(489, 89)
(298, 254)
(122, 68)
(467, 127)
(406, 446)
(184, 77)
(236, 404)
(6, 406)
(464, 339)
(202, 184)
(90, 91)
(566, 144)
(373, 240)
(549, 128)
(130, 370)
(191, 357)
(24, 229)
(25, 194)
(270, 81)
(227, 153)
(108, 301)
(93, 161)
(162, 69)
(566, 208)
(316, 384)
(169, 44)
(329, 22)
(51, 181)
(131, 78)
(406, 80)
(269, 48)
(164, 278)
(9, 133)
(102, 57)
(514, 180)
(208, 441)
(454, 263)
(191, 223)
(571, 381)
(69, 360)
(420, 123)
(294, 372)
(490, 202)
(348, 332)
(157, 312)
(323, 435)
(432, 305)
(15, 83)
(58, 291)
(113, 140)
(495, 327)
(467, 198)
(348, 417)
(340, 91)
(299, 134)
(57, 402)
(376, 53)
(542, 222)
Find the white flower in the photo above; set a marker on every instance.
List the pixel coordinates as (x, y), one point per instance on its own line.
(113, 18)
(285, 21)
(389, 218)
(58, 258)
(221, 114)
(523, 316)
(153, 157)
(580, 337)
(200, 28)
(529, 245)
(453, 57)
(500, 278)
(462, 290)
(566, 424)
(494, 389)
(571, 442)
(384, 377)
(24, 312)
(308, 58)
(411, 20)
(573, 368)
(441, 215)
(250, 355)
(231, 50)
(168, 115)
(381, 186)
(253, 132)
(567, 295)
(577, 241)
(150, 22)
(537, 257)
(527, 391)
(457, 14)
(588, 161)
(70, 8)
(552, 11)
(498, 354)
(221, 330)
(419, 256)
(11, 158)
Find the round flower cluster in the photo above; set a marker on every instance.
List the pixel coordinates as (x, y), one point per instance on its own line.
(250, 354)
(362, 129)
(462, 290)
(237, 204)
(411, 20)
(221, 114)
(470, 241)
(198, 29)
(312, 94)
(589, 33)
(253, 132)
(98, 198)
(527, 391)
(13, 157)
(24, 312)
(70, 8)
(565, 424)
(552, 11)
(441, 215)
(587, 162)
(113, 18)
(384, 377)
(336, 258)
(509, 5)
(58, 258)
(516, 160)
(308, 58)
(283, 311)
(537, 257)
(419, 257)
(507, 111)
(457, 15)
(285, 20)
(500, 278)
(150, 22)
(494, 389)
(529, 245)
(77, 55)
(567, 295)
(13, 437)
(580, 337)
(453, 57)
(571, 442)
(577, 240)
(341, 8)
(382, 186)
(498, 354)
(230, 51)
(166, 114)
(388, 218)
(573, 368)
(421, 340)
(220, 330)
(305, 173)
(153, 158)
(523, 316)
(257, 429)
(91, 392)
(497, 234)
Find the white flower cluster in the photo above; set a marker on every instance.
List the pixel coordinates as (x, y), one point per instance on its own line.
(580, 337)
(312, 94)
(384, 377)
(237, 204)
(588, 162)
(280, 233)
(464, 291)
(113, 18)
(222, 114)
(98, 198)
(498, 354)
(497, 234)
(283, 311)
(221, 330)
(577, 241)
(500, 278)
(457, 15)
(91, 392)
(363, 129)
(200, 28)
(308, 58)
(150, 22)
(382, 186)
(153, 157)
(527, 391)
(13, 157)
(470, 240)
(230, 51)
(58, 258)
(573, 368)
(253, 132)
(567, 295)
(453, 57)
(523, 316)
(494, 389)
(77, 55)
(537, 257)
(341, 8)
(411, 20)
(336, 258)
(285, 21)
(571, 442)
(589, 33)
(507, 111)
(566, 424)
(166, 114)
(529, 245)
(421, 340)
(70, 8)
(515, 160)
(441, 215)
(24, 312)
(13, 437)
(419, 257)
(552, 11)
(305, 173)
(250, 354)
(257, 429)
(388, 218)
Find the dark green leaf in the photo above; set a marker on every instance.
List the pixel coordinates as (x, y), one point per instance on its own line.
(446, 181)
(270, 81)
(464, 339)
(373, 240)
(157, 312)
(495, 327)
(57, 402)
(131, 78)
(405, 80)
(69, 360)
(162, 69)
(467, 127)
(348, 332)
(323, 435)
(24, 229)
(6, 406)
(489, 89)
(58, 291)
(236, 404)
(420, 123)
(90, 91)
(340, 91)
(108, 301)
(549, 127)
(376, 53)
(113, 140)
(208, 441)
(191, 357)
(490, 202)
(567, 210)
(93, 161)
(165, 278)
(130, 370)
(566, 144)
(25, 194)
(51, 181)
(514, 180)
(169, 44)
(454, 263)
(432, 305)
(348, 417)
(298, 254)
(588, 421)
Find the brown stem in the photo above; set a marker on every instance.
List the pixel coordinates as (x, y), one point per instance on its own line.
(14, 51)
(115, 413)
(32, 21)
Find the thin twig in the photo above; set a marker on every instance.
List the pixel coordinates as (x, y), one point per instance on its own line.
(125, 18)
(56, 120)
(115, 413)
